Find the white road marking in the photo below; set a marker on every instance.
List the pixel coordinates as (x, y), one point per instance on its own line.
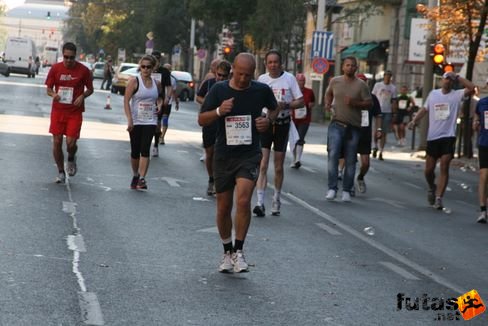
(466, 204)
(413, 185)
(399, 270)
(328, 229)
(91, 312)
(394, 203)
(308, 169)
(172, 181)
(375, 244)
(76, 243)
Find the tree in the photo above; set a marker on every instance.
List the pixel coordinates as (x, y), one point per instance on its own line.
(463, 20)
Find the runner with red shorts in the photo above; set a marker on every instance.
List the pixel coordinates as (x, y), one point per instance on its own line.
(68, 83)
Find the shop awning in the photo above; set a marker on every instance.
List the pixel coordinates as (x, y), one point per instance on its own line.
(359, 50)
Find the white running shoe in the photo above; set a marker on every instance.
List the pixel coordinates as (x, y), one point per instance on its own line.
(226, 264)
(482, 218)
(61, 178)
(275, 208)
(71, 168)
(361, 185)
(239, 262)
(155, 152)
(346, 197)
(331, 194)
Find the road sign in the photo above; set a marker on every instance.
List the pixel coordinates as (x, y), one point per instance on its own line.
(315, 76)
(322, 45)
(320, 65)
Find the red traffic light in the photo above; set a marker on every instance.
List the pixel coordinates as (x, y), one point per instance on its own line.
(448, 68)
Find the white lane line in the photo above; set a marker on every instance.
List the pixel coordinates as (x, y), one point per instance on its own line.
(466, 204)
(91, 312)
(412, 185)
(394, 203)
(399, 270)
(375, 244)
(328, 229)
(308, 169)
(76, 243)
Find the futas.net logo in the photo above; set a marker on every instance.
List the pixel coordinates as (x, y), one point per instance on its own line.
(467, 306)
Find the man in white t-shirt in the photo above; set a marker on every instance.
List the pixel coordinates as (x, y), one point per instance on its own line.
(288, 95)
(386, 93)
(443, 106)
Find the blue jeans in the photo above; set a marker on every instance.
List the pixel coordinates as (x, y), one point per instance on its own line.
(342, 141)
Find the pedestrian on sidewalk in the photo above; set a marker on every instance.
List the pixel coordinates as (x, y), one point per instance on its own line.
(443, 106)
(69, 83)
(237, 106)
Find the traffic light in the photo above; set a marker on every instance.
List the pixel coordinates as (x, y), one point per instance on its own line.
(48, 15)
(448, 67)
(227, 50)
(438, 58)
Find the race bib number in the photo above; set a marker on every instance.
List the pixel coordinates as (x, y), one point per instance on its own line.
(156, 76)
(441, 111)
(145, 111)
(486, 119)
(66, 95)
(278, 93)
(238, 130)
(300, 113)
(402, 104)
(364, 118)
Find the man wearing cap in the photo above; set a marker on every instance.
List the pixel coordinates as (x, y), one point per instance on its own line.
(302, 117)
(443, 107)
(386, 93)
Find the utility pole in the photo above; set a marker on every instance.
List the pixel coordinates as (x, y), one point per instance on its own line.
(191, 53)
(428, 76)
(318, 85)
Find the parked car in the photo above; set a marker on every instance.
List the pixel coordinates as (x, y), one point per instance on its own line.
(98, 70)
(185, 86)
(4, 69)
(121, 77)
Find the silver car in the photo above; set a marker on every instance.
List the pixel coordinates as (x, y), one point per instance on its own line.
(98, 68)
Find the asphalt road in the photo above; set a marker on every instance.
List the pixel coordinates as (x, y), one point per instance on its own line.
(94, 252)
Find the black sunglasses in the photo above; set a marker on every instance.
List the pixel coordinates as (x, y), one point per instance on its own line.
(223, 75)
(69, 57)
(146, 67)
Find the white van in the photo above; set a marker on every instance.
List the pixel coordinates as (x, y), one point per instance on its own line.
(20, 52)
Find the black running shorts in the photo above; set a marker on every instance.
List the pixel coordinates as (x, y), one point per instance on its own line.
(226, 171)
(442, 146)
(483, 157)
(276, 134)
